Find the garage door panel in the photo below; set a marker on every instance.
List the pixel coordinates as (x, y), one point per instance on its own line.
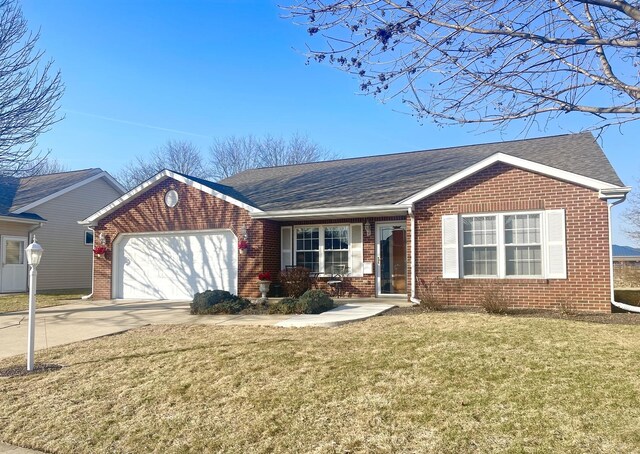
(177, 266)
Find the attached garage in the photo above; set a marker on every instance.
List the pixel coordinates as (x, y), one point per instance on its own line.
(174, 265)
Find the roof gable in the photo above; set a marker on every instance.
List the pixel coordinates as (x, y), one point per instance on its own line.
(19, 195)
(215, 189)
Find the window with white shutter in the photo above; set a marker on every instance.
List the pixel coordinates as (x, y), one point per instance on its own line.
(450, 256)
(356, 264)
(286, 247)
(556, 245)
(505, 245)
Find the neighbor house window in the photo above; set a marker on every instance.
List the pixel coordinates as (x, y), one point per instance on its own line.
(323, 249)
(88, 237)
(502, 245)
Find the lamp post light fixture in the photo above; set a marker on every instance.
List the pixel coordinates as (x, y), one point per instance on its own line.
(34, 254)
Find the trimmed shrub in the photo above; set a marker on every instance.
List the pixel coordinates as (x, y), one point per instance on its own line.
(314, 302)
(295, 281)
(218, 302)
(284, 306)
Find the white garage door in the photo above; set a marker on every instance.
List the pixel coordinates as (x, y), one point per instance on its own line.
(175, 265)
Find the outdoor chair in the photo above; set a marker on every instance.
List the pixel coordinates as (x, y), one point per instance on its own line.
(337, 278)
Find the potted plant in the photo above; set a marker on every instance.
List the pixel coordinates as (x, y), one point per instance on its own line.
(264, 280)
(99, 251)
(243, 245)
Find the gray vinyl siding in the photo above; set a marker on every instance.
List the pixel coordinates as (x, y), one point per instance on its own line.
(14, 228)
(67, 261)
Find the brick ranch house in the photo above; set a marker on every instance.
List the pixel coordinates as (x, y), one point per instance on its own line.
(530, 217)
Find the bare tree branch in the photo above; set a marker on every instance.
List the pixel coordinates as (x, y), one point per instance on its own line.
(29, 93)
(486, 61)
(236, 154)
(177, 155)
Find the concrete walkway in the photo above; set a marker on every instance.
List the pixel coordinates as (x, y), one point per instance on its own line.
(86, 320)
(347, 313)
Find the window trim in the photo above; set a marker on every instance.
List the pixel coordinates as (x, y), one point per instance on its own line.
(502, 246)
(321, 228)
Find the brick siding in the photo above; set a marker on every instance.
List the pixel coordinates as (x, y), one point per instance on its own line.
(504, 188)
(196, 210)
(498, 188)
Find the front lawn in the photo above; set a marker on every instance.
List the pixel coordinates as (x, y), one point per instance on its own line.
(20, 301)
(433, 382)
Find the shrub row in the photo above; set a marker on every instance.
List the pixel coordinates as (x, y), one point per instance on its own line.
(311, 302)
(218, 302)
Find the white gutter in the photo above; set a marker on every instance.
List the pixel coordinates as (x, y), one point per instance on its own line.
(354, 211)
(623, 306)
(93, 261)
(413, 298)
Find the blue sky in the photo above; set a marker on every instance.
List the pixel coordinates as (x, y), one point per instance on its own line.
(139, 73)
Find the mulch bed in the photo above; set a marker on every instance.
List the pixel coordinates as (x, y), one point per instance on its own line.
(21, 370)
(612, 319)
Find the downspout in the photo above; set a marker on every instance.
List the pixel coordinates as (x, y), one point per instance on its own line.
(412, 215)
(623, 306)
(93, 261)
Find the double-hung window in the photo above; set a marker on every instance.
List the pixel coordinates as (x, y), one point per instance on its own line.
(505, 245)
(523, 245)
(323, 249)
(308, 248)
(336, 249)
(480, 246)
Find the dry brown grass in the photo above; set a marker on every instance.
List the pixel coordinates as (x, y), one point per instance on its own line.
(431, 382)
(20, 301)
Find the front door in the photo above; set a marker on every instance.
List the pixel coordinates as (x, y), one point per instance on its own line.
(13, 270)
(391, 261)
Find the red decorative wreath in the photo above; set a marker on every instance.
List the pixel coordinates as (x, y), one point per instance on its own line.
(99, 250)
(243, 244)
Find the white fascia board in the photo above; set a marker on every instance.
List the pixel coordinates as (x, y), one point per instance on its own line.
(356, 211)
(67, 190)
(22, 220)
(516, 162)
(163, 175)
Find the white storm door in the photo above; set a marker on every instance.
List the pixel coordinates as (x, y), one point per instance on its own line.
(13, 274)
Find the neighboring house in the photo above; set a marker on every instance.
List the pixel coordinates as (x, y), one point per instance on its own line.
(528, 217)
(625, 256)
(49, 206)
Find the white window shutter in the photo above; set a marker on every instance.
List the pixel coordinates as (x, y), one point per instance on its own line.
(286, 247)
(356, 266)
(556, 245)
(450, 257)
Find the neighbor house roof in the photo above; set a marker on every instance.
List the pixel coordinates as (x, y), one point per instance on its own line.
(392, 178)
(625, 252)
(18, 195)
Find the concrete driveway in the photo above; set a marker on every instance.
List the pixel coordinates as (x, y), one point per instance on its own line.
(85, 320)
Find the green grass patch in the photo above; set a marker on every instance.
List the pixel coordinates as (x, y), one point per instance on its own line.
(431, 382)
(628, 296)
(20, 301)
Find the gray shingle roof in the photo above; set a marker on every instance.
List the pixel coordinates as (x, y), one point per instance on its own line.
(16, 193)
(387, 179)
